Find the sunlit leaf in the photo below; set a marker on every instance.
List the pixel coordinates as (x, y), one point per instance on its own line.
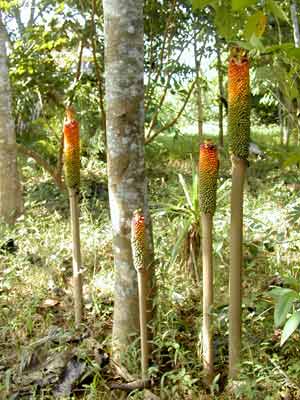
(290, 327)
(240, 4)
(224, 21)
(256, 24)
(283, 306)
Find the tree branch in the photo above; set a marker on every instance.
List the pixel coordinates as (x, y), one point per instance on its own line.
(40, 161)
(162, 99)
(173, 122)
(149, 92)
(32, 13)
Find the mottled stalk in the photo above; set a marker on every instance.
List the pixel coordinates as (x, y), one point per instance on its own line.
(208, 175)
(140, 264)
(239, 134)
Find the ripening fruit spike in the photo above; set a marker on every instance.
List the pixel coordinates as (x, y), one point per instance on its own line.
(239, 103)
(208, 176)
(138, 240)
(71, 150)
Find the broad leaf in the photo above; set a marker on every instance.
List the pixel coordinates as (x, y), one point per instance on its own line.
(283, 306)
(256, 24)
(293, 53)
(290, 327)
(256, 43)
(277, 292)
(224, 21)
(240, 4)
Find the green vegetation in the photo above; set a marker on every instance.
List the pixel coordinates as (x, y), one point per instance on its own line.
(36, 294)
(54, 51)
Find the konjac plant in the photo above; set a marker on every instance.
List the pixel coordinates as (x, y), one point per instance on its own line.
(208, 175)
(138, 244)
(72, 178)
(239, 135)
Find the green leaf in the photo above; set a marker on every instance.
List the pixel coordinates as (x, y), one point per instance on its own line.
(181, 237)
(256, 24)
(283, 306)
(292, 159)
(200, 4)
(293, 53)
(279, 47)
(277, 292)
(185, 189)
(224, 21)
(240, 4)
(256, 43)
(291, 325)
(276, 10)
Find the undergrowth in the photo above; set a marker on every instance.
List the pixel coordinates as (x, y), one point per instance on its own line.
(35, 272)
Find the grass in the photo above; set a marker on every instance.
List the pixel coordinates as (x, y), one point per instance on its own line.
(39, 270)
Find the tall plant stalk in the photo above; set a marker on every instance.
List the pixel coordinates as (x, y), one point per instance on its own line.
(140, 258)
(208, 174)
(72, 177)
(236, 254)
(239, 133)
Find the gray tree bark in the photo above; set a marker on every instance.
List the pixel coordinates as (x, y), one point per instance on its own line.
(124, 75)
(11, 204)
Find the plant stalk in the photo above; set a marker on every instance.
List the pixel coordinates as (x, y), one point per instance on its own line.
(142, 287)
(239, 167)
(76, 254)
(207, 329)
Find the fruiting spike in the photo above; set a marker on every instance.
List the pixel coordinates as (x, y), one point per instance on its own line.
(71, 150)
(239, 103)
(208, 175)
(138, 240)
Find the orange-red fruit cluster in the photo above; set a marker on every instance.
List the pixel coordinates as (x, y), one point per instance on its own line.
(138, 240)
(208, 176)
(72, 151)
(239, 103)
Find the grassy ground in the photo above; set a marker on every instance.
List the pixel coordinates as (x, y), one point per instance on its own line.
(35, 292)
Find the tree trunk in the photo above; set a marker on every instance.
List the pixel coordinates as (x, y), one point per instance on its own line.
(11, 204)
(296, 32)
(221, 95)
(295, 23)
(124, 65)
